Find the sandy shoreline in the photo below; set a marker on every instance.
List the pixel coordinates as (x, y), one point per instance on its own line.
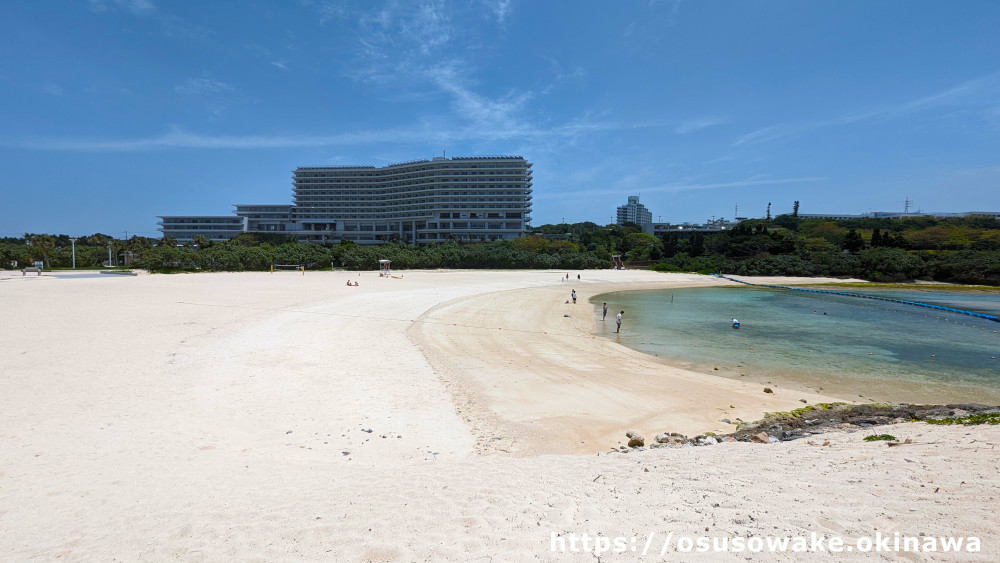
(207, 417)
(555, 377)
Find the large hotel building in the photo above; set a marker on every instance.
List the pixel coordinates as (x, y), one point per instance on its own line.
(474, 198)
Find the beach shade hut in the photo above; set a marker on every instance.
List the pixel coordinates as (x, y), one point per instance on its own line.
(616, 262)
(383, 268)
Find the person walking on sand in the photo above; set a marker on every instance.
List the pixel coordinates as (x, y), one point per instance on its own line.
(619, 319)
(604, 316)
(574, 296)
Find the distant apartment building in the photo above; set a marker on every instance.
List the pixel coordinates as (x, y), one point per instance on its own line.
(634, 212)
(476, 198)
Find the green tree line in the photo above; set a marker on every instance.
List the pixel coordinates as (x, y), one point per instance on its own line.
(965, 250)
(955, 250)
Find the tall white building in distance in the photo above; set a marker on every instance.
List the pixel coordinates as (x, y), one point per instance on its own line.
(467, 198)
(634, 212)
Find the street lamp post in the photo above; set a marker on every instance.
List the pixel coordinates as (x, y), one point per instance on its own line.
(73, 241)
(110, 265)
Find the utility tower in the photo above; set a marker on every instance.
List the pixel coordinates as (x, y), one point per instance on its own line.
(769, 211)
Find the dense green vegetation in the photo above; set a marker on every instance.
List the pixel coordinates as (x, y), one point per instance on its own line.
(257, 252)
(970, 420)
(953, 250)
(881, 437)
(56, 250)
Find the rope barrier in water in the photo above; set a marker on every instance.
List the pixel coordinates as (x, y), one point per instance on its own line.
(848, 294)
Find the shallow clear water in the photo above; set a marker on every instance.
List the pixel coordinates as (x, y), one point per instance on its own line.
(849, 345)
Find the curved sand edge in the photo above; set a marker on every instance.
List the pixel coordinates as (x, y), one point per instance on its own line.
(534, 381)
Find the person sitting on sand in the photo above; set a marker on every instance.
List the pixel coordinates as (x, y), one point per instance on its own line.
(574, 296)
(619, 319)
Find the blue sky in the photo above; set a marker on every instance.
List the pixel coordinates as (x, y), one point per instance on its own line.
(115, 111)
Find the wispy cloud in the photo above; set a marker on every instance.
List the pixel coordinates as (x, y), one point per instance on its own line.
(422, 133)
(675, 10)
(395, 41)
(280, 64)
(53, 89)
(402, 30)
(500, 9)
(979, 91)
(561, 75)
(696, 124)
(170, 25)
(179, 138)
(136, 7)
(696, 186)
(503, 112)
(656, 20)
(204, 84)
(328, 10)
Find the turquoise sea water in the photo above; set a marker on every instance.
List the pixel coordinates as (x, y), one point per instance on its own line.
(848, 346)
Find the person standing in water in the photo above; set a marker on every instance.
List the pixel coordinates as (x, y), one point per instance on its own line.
(604, 316)
(619, 319)
(574, 296)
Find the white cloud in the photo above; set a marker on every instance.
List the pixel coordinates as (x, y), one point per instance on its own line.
(501, 113)
(501, 9)
(136, 7)
(979, 91)
(404, 30)
(53, 89)
(422, 133)
(327, 10)
(674, 11)
(695, 186)
(696, 124)
(203, 85)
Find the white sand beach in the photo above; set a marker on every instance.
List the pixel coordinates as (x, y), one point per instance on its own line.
(446, 415)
